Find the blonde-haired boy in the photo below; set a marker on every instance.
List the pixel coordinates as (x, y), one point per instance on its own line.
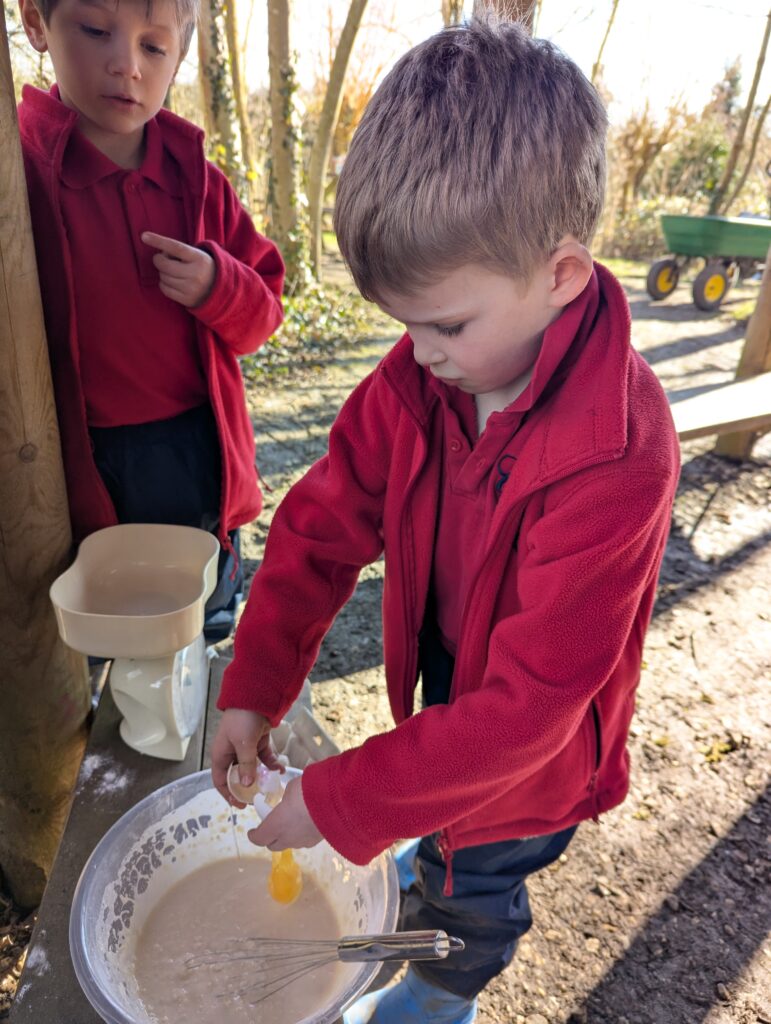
(515, 461)
(153, 281)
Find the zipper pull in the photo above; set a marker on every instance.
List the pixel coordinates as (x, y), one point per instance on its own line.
(227, 545)
(446, 854)
(593, 793)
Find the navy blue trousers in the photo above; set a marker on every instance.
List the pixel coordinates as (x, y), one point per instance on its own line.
(489, 908)
(169, 471)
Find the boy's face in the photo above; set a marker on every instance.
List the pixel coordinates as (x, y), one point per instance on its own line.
(113, 63)
(477, 329)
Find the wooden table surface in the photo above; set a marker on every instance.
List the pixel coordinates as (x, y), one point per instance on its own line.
(113, 778)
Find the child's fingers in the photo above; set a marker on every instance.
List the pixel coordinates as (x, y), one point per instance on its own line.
(171, 246)
(177, 294)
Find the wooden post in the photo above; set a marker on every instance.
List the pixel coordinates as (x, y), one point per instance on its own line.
(755, 359)
(44, 693)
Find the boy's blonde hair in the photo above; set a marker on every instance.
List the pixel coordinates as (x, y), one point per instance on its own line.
(482, 145)
(186, 12)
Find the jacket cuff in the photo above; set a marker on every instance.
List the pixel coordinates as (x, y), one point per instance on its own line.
(217, 305)
(321, 786)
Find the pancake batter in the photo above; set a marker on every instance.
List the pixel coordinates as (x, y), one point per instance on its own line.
(216, 908)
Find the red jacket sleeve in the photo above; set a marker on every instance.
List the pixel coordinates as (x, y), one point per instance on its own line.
(326, 529)
(243, 308)
(579, 588)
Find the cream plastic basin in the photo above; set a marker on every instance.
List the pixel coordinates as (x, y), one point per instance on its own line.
(170, 833)
(136, 590)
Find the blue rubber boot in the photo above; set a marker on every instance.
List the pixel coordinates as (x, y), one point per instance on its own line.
(411, 1001)
(404, 858)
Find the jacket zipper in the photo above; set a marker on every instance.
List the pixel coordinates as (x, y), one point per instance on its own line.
(597, 760)
(227, 545)
(443, 845)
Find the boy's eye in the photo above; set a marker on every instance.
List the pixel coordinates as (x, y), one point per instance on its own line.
(95, 33)
(155, 50)
(449, 330)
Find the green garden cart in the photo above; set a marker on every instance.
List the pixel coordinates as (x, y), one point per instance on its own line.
(733, 248)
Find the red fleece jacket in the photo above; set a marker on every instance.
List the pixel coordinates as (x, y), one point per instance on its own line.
(242, 311)
(533, 738)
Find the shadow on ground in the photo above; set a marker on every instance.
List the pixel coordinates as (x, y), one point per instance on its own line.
(722, 905)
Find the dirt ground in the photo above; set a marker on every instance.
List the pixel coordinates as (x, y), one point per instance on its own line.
(658, 915)
(661, 913)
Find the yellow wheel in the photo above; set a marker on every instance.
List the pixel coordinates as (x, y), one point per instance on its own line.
(662, 278)
(710, 287)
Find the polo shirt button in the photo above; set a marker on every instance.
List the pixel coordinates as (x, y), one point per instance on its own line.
(455, 445)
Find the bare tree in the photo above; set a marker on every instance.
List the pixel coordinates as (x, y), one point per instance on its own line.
(717, 204)
(286, 202)
(751, 158)
(516, 10)
(452, 12)
(240, 101)
(222, 127)
(597, 67)
(330, 112)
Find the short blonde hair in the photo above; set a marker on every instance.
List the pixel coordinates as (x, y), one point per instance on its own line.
(482, 145)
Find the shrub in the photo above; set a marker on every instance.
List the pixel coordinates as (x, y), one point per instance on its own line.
(316, 325)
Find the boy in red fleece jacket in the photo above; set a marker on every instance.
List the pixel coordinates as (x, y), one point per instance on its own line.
(515, 460)
(153, 281)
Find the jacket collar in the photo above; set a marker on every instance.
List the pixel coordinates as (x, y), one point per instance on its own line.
(577, 398)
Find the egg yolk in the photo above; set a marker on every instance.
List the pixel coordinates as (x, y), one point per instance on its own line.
(285, 882)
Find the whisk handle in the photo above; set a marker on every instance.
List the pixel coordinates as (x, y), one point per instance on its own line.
(397, 946)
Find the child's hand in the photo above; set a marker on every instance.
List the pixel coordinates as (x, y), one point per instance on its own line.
(242, 737)
(187, 273)
(288, 826)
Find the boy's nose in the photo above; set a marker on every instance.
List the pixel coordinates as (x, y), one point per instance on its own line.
(124, 61)
(427, 354)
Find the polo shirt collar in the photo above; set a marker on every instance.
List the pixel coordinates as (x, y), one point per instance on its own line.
(84, 165)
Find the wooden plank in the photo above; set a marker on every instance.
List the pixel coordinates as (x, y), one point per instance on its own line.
(112, 778)
(744, 405)
(44, 696)
(755, 359)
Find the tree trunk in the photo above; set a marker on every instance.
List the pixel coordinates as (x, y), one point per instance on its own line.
(222, 127)
(597, 67)
(240, 96)
(322, 144)
(44, 692)
(515, 10)
(288, 222)
(716, 203)
(452, 12)
(751, 158)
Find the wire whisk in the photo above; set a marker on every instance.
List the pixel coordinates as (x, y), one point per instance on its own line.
(276, 963)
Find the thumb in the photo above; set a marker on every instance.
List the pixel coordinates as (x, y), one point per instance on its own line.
(246, 755)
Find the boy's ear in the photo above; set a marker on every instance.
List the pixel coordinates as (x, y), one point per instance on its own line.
(34, 26)
(571, 267)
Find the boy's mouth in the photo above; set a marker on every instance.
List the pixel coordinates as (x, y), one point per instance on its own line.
(123, 99)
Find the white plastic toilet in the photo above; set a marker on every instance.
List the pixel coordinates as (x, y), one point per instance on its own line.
(136, 593)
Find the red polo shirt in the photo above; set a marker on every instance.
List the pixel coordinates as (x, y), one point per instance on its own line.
(138, 350)
(474, 468)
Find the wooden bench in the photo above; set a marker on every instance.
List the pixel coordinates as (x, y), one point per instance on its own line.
(744, 405)
(741, 411)
(112, 778)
